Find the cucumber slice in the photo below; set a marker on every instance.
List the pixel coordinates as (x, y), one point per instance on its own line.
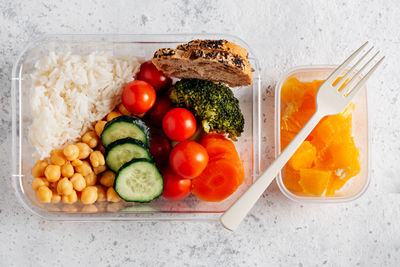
(124, 150)
(125, 126)
(139, 180)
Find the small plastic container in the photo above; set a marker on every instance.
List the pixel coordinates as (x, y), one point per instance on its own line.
(357, 185)
(142, 46)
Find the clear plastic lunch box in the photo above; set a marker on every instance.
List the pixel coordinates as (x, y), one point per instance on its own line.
(142, 46)
(357, 185)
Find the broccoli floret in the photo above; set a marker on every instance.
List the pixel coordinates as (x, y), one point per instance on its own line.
(212, 103)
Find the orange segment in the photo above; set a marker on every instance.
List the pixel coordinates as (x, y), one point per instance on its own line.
(304, 156)
(339, 183)
(292, 92)
(324, 159)
(344, 154)
(336, 127)
(335, 184)
(330, 190)
(292, 178)
(309, 103)
(314, 181)
(302, 116)
(286, 138)
(291, 125)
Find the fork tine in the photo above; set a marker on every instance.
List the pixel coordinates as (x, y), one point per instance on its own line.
(361, 83)
(343, 79)
(353, 79)
(341, 68)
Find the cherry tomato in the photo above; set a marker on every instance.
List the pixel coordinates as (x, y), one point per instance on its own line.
(188, 159)
(179, 124)
(138, 97)
(159, 149)
(175, 186)
(149, 73)
(158, 111)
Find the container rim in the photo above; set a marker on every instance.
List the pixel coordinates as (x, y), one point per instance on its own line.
(282, 187)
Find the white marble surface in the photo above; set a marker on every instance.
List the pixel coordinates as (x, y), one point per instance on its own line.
(280, 232)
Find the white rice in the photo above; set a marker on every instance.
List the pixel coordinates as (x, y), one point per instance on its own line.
(70, 92)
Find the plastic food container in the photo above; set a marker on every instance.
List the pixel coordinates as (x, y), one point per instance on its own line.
(142, 46)
(357, 185)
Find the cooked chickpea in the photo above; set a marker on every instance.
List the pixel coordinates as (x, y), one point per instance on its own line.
(90, 208)
(67, 170)
(99, 169)
(123, 110)
(84, 169)
(71, 152)
(107, 178)
(71, 198)
(89, 195)
(113, 114)
(112, 196)
(101, 193)
(55, 198)
(52, 173)
(99, 127)
(77, 163)
(84, 150)
(57, 157)
(91, 139)
(38, 169)
(97, 158)
(78, 182)
(64, 187)
(91, 178)
(43, 194)
(38, 182)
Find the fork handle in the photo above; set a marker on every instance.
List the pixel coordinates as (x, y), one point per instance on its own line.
(235, 214)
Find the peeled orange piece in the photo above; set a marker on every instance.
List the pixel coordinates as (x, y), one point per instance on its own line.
(330, 190)
(286, 138)
(314, 181)
(345, 157)
(302, 116)
(292, 92)
(336, 127)
(304, 157)
(309, 102)
(344, 154)
(290, 125)
(335, 184)
(292, 178)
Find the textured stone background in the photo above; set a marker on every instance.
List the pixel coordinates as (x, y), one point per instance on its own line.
(284, 34)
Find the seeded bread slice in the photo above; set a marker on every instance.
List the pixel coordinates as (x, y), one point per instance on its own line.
(214, 60)
(216, 45)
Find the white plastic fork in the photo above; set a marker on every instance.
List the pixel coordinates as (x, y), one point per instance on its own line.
(329, 101)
